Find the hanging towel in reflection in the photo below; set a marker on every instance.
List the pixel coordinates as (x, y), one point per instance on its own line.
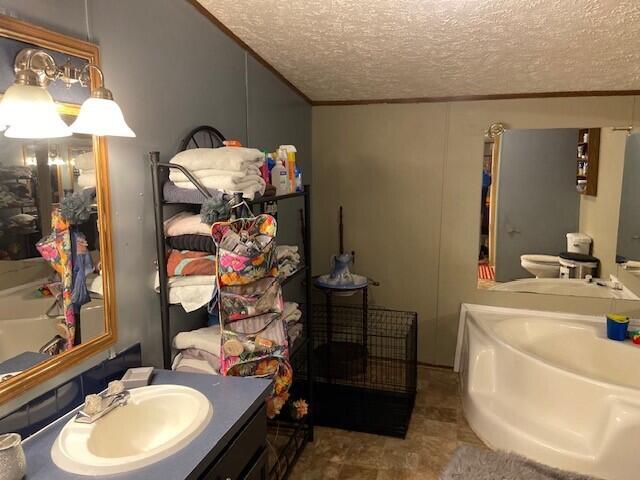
(56, 249)
(82, 266)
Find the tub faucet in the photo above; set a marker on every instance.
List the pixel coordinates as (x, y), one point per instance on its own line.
(97, 406)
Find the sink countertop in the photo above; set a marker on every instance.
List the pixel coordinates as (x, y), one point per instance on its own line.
(234, 401)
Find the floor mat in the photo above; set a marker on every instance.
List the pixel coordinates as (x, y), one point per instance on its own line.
(486, 272)
(473, 463)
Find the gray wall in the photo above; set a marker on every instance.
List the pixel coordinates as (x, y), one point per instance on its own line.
(170, 69)
(537, 196)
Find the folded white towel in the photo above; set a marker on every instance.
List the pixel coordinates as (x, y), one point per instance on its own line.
(224, 182)
(85, 161)
(87, 179)
(294, 331)
(192, 365)
(291, 313)
(94, 283)
(632, 265)
(289, 308)
(248, 187)
(185, 223)
(192, 292)
(224, 158)
(207, 339)
(287, 251)
(178, 176)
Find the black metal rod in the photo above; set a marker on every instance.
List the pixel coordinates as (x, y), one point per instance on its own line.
(201, 188)
(307, 306)
(341, 233)
(154, 159)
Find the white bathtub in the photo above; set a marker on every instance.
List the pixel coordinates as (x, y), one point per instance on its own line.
(24, 326)
(565, 286)
(551, 387)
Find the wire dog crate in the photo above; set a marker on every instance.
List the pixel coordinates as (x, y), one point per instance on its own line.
(365, 378)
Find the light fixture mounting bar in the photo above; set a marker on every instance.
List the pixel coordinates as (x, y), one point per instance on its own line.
(44, 66)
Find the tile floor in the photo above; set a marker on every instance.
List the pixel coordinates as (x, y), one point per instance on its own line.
(437, 428)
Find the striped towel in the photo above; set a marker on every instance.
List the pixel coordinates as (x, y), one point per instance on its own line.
(486, 272)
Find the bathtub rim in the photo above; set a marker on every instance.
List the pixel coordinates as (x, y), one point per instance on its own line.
(467, 309)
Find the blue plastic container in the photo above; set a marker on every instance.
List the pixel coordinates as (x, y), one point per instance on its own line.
(617, 326)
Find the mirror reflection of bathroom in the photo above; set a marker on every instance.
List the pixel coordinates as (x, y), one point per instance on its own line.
(35, 177)
(629, 227)
(550, 204)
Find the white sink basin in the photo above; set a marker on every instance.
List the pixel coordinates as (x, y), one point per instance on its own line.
(156, 422)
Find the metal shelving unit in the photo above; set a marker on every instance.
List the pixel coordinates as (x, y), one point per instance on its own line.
(287, 438)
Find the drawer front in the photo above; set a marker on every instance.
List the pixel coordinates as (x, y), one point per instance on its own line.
(243, 449)
(258, 471)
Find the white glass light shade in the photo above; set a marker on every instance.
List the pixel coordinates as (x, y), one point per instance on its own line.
(30, 112)
(102, 117)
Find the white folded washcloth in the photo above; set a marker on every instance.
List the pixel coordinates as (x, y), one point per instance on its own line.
(186, 223)
(224, 158)
(207, 339)
(178, 176)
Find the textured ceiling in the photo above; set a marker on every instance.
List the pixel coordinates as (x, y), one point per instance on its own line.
(377, 49)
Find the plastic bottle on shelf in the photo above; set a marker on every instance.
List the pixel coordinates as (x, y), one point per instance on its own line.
(279, 178)
(290, 159)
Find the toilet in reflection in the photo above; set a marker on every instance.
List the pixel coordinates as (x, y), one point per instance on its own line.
(541, 266)
(548, 266)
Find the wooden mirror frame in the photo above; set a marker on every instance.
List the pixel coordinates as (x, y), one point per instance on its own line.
(41, 37)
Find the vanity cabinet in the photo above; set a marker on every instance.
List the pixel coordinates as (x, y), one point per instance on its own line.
(243, 458)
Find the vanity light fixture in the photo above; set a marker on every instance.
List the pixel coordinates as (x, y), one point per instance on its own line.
(27, 110)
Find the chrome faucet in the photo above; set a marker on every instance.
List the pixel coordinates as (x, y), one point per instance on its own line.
(97, 406)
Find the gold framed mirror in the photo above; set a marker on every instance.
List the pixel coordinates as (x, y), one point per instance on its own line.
(35, 175)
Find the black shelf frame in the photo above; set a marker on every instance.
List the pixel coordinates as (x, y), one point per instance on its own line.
(303, 345)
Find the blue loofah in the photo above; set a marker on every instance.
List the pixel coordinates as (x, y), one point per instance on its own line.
(75, 208)
(214, 210)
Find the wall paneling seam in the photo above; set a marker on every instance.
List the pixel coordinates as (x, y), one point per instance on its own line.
(445, 158)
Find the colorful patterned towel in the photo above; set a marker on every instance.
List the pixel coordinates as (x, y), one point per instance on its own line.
(186, 262)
